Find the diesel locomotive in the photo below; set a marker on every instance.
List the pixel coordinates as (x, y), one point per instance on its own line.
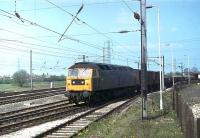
(88, 81)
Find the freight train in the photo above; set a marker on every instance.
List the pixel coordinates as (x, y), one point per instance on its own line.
(92, 82)
(88, 81)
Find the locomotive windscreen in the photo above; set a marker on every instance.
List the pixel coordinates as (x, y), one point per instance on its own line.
(80, 72)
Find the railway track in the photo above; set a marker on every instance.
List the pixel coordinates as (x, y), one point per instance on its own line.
(29, 95)
(79, 123)
(29, 109)
(9, 93)
(15, 120)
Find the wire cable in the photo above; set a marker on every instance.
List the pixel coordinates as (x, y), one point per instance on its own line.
(49, 43)
(127, 6)
(91, 27)
(79, 41)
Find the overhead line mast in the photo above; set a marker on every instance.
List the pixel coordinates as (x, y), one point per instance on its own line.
(143, 75)
(143, 58)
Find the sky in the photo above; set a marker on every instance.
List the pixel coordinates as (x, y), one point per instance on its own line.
(44, 21)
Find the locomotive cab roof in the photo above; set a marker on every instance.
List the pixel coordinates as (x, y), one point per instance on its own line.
(100, 66)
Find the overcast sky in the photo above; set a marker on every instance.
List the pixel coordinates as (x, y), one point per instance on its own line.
(43, 23)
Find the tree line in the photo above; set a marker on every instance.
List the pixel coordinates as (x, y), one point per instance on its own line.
(21, 77)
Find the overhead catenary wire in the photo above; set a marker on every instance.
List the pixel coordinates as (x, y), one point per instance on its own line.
(36, 52)
(38, 25)
(44, 53)
(83, 42)
(6, 16)
(38, 45)
(39, 64)
(79, 41)
(90, 26)
(36, 64)
(49, 43)
(48, 29)
(75, 17)
(127, 6)
(71, 22)
(56, 48)
(30, 44)
(89, 34)
(36, 67)
(38, 49)
(76, 5)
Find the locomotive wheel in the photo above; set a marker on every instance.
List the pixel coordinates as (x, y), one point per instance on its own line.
(76, 101)
(87, 101)
(70, 100)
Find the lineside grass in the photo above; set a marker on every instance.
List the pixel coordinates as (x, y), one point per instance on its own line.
(128, 124)
(36, 85)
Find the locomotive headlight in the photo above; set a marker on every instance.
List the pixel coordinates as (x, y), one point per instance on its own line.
(82, 82)
(73, 82)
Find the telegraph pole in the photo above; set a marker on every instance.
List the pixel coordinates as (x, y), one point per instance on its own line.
(31, 77)
(108, 52)
(173, 96)
(188, 70)
(181, 66)
(83, 58)
(143, 58)
(142, 19)
(127, 61)
(103, 54)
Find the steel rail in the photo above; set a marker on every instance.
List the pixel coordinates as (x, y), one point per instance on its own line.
(79, 123)
(30, 112)
(24, 97)
(9, 93)
(30, 108)
(40, 117)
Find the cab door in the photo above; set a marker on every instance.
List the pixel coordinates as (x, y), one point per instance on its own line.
(95, 80)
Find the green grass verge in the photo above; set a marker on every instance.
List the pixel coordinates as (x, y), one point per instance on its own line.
(129, 125)
(36, 85)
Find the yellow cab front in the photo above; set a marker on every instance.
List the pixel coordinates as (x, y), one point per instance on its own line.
(79, 80)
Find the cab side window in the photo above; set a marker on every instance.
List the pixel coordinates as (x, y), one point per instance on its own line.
(95, 73)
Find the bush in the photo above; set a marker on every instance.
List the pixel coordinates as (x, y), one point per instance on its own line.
(6, 81)
(55, 78)
(20, 77)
